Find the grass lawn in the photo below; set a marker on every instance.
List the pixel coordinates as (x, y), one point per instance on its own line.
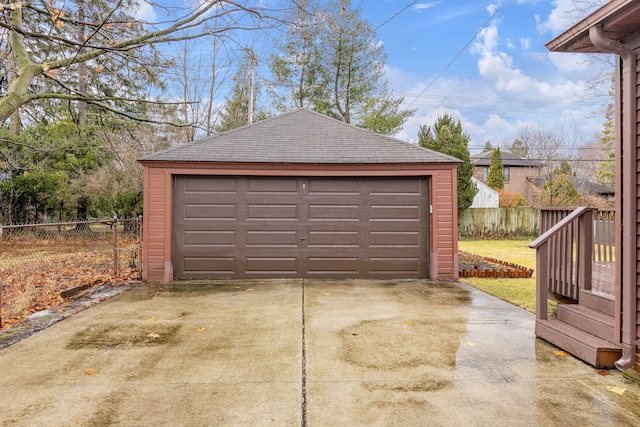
(520, 292)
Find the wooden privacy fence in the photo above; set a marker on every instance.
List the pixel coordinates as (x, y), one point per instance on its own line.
(483, 223)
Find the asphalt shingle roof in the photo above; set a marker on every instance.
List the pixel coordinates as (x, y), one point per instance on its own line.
(302, 136)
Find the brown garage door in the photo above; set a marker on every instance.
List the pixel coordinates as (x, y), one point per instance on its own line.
(300, 227)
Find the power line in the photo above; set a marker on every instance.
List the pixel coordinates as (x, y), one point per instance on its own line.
(394, 15)
(459, 52)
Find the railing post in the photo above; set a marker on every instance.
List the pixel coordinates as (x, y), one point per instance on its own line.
(114, 224)
(585, 251)
(542, 293)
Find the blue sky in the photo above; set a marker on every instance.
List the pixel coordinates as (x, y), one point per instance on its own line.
(502, 81)
(482, 61)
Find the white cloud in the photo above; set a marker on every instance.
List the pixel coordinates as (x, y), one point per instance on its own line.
(570, 64)
(424, 6)
(525, 87)
(497, 69)
(145, 11)
(564, 15)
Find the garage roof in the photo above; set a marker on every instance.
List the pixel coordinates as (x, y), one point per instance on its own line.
(302, 136)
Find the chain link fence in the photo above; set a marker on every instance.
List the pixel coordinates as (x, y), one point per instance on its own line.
(42, 264)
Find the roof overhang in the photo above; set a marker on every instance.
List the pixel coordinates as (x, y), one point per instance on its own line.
(619, 19)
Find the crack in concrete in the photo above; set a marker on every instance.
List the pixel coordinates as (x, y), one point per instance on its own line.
(303, 417)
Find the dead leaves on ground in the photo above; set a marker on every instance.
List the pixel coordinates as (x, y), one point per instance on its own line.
(617, 390)
(34, 283)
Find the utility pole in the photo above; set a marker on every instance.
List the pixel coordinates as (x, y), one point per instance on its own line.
(252, 63)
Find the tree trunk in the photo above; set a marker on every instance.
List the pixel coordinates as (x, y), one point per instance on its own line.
(82, 67)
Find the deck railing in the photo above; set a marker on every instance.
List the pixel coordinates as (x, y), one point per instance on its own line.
(564, 254)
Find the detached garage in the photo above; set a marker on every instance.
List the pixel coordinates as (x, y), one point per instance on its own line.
(299, 195)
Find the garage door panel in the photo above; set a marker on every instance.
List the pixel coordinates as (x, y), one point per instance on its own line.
(272, 212)
(336, 186)
(300, 227)
(210, 211)
(395, 213)
(398, 186)
(203, 185)
(328, 239)
(206, 265)
(386, 265)
(272, 186)
(275, 238)
(283, 265)
(210, 238)
(318, 212)
(386, 239)
(333, 265)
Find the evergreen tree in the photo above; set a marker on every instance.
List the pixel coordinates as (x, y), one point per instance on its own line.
(446, 136)
(333, 63)
(606, 173)
(487, 146)
(495, 179)
(235, 112)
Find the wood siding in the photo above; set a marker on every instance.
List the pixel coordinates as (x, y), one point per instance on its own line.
(158, 196)
(444, 224)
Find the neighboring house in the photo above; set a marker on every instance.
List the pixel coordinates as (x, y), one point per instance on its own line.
(517, 172)
(603, 328)
(486, 197)
(300, 195)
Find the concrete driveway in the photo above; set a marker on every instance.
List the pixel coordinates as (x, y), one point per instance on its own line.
(304, 352)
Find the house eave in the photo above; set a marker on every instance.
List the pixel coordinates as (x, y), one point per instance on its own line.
(618, 19)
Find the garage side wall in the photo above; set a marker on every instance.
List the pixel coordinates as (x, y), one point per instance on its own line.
(158, 181)
(444, 233)
(157, 217)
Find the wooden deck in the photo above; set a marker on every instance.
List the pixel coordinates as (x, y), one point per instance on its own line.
(575, 263)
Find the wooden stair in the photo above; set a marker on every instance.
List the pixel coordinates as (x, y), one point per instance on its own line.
(585, 330)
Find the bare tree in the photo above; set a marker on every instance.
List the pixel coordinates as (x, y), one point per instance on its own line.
(111, 34)
(603, 65)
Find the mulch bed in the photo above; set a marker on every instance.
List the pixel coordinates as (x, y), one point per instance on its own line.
(471, 265)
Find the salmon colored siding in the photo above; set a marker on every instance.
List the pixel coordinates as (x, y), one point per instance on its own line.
(157, 237)
(445, 224)
(155, 214)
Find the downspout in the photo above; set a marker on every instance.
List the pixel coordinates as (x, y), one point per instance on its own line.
(629, 227)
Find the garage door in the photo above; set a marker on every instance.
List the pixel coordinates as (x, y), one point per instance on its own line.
(300, 227)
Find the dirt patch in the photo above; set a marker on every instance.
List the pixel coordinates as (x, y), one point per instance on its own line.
(400, 343)
(410, 386)
(123, 335)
